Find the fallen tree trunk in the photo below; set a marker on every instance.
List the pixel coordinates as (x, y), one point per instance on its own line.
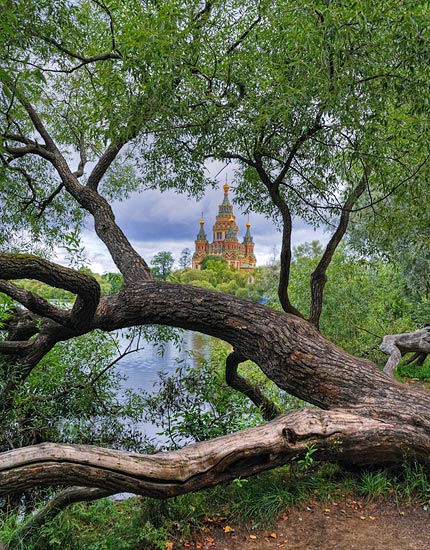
(337, 435)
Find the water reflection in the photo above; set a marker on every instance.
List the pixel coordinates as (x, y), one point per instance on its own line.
(141, 369)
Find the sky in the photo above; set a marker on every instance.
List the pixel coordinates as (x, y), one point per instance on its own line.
(155, 221)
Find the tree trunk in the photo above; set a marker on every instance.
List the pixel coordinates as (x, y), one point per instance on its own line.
(372, 418)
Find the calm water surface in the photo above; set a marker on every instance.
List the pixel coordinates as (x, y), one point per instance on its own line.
(140, 369)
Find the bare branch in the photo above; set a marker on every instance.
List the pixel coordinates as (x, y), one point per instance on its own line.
(396, 345)
(48, 200)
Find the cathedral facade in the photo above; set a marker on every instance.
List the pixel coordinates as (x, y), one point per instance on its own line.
(225, 241)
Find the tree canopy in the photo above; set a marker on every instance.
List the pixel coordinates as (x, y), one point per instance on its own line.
(322, 107)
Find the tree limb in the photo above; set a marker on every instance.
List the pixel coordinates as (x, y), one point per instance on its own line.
(287, 227)
(35, 303)
(268, 409)
(337, 433)
(319, 276)
(103, 164)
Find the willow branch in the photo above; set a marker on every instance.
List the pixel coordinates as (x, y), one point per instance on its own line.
(268, 409)
(87, 289)
(286, 251)
(319, 276)
(103, 165)
(35, 303)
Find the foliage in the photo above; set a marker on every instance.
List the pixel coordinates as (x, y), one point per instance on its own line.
(414, 371)
(371, 293)
(74, 396)
(217, 275)
(195, 404)
(374, 484)
(162, 264)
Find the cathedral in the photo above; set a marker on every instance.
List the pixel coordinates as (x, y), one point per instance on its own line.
(225, 242)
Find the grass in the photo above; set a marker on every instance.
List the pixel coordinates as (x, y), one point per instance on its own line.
(414, 372)
(148, 524)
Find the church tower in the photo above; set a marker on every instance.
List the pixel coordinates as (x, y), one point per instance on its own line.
(201, 244)
(225, 240)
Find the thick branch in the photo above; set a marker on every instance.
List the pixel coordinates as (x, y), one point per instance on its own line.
(21, 324)
(103, 164)
(319, 276)
(268, 409)
(35, 303)
(87, 289)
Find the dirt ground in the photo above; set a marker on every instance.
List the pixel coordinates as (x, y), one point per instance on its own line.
(346, 525)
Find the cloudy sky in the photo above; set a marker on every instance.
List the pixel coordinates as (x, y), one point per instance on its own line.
(155, 221)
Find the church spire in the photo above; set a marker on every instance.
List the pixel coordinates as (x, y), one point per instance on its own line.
(225, 207)
(201, 235)
(248, 236)
(226, 186)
